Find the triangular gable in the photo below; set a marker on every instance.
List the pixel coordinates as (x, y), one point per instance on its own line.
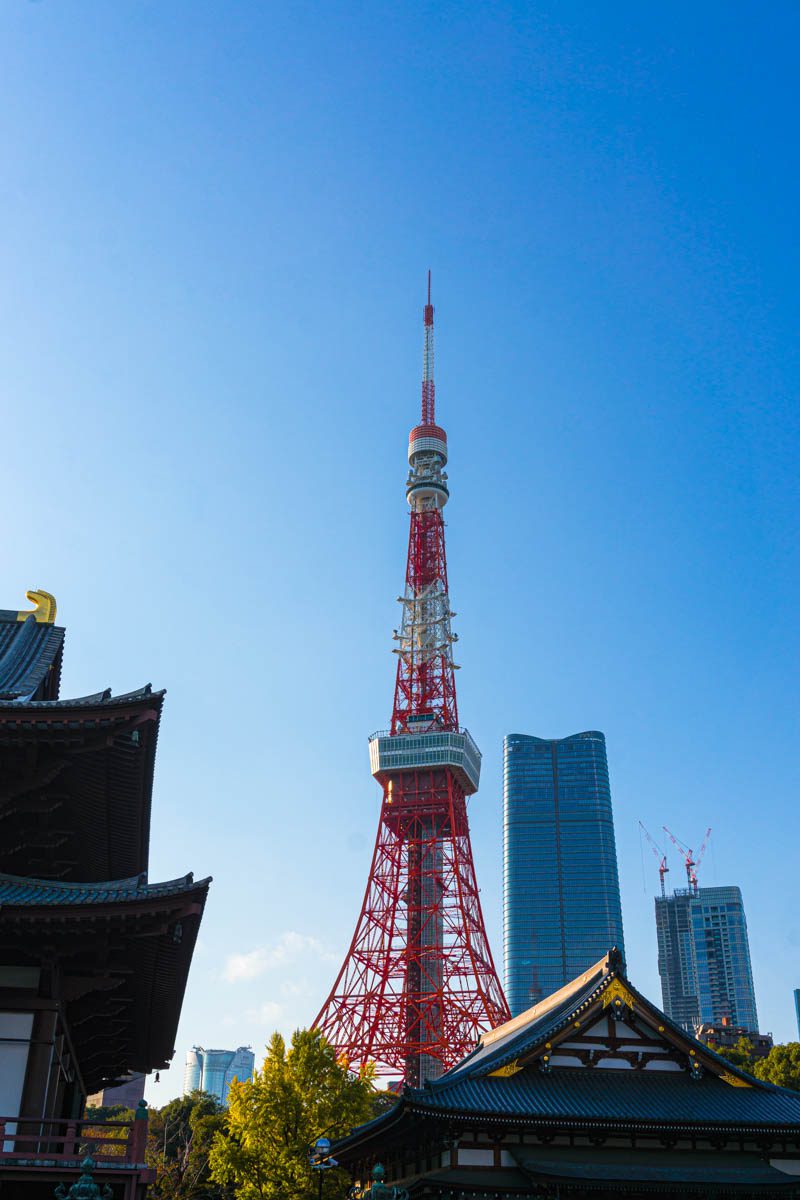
(598, 1021)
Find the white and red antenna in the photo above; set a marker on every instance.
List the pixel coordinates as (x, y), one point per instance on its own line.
(428, 385)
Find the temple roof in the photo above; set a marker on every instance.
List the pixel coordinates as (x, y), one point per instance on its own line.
(596, 1054)
(88, 764)
(19, 890)
(537, 1024)
(621, 1096)
(120, 952)
(30, 658)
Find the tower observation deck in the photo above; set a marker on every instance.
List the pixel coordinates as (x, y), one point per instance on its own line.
(418, 984)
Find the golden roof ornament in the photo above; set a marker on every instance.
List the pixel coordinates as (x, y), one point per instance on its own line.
(45, 611)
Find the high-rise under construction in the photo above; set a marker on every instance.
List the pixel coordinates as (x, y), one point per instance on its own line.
(704, 958)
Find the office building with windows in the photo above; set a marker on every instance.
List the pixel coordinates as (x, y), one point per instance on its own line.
(704, 958)
(214, 1071)
(797, 1008)
(561, 901)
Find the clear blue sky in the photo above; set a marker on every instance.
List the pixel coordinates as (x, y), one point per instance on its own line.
(216, 221)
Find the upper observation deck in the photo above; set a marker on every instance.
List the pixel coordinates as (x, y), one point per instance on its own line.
(427, 751)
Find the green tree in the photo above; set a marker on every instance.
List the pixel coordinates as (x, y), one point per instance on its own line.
(101, 1139)
(179, 1140)
(741, 1054)
(781, 1066)
(298, 1096)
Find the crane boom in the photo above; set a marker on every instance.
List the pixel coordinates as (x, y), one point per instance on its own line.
(690, 862)
(660, 855)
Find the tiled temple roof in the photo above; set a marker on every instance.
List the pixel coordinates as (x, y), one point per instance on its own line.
(122, 951)
(30, 658)
(513, 1076)
(673, 1099)
(16, 890)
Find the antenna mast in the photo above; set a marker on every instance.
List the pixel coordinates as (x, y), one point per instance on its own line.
(428, 385)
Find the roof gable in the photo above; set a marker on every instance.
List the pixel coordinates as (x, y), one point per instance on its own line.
(597, 1055)
(598, 1021)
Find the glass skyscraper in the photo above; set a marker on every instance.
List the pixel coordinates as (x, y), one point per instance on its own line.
(561, 903)
(704, 958)
(214, 1071)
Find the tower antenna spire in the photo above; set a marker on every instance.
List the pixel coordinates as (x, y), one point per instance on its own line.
(428, 386)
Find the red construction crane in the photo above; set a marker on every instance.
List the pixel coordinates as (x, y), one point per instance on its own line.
(700, 854)
(660, 855)
(690, 862)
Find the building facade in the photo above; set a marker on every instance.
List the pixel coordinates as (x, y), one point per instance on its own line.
(704, 958)
(125, 1095)
(214, 1071)
(797, 1008)
(561, 900)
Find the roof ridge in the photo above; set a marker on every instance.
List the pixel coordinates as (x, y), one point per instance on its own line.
(131, 883)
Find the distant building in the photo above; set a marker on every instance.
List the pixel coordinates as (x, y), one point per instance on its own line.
(561, 902)
(704, 958)
(193, 1071)
(797, 1008)
(725, 1036)
(126, 1094)
(214, 1071)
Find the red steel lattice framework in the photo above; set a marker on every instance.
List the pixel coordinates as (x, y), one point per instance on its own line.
(418, 984)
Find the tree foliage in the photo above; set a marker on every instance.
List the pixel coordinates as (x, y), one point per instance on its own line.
(102, 1139)
(741, 1054)
(300, 1095)
(179, 1141)
(781, 1066)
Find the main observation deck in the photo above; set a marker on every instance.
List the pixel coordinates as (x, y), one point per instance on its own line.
(426, 751)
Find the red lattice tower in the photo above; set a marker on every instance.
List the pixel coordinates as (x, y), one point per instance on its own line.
(418, 984)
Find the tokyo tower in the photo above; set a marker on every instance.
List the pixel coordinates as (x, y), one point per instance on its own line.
(418, 984)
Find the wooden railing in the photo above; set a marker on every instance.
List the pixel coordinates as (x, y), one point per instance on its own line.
(58, 1141)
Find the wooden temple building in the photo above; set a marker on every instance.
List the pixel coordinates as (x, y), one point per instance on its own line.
(591, 1093)
(93, 957)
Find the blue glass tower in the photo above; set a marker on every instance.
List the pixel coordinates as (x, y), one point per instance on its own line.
(561, 903)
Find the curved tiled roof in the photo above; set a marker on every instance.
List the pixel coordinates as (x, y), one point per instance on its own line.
(103, 699)
(514, 1076)
(566, 1094)
(122, 950)
(30, 658)
(17, 891)
(507, 1042)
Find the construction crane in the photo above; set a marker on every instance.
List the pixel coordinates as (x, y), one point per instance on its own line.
(700, 854)
(660, 855)
(690, 862)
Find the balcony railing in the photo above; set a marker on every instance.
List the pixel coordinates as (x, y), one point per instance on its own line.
(51, 1142)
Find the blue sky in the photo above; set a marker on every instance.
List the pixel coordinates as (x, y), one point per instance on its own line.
(217, 222)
